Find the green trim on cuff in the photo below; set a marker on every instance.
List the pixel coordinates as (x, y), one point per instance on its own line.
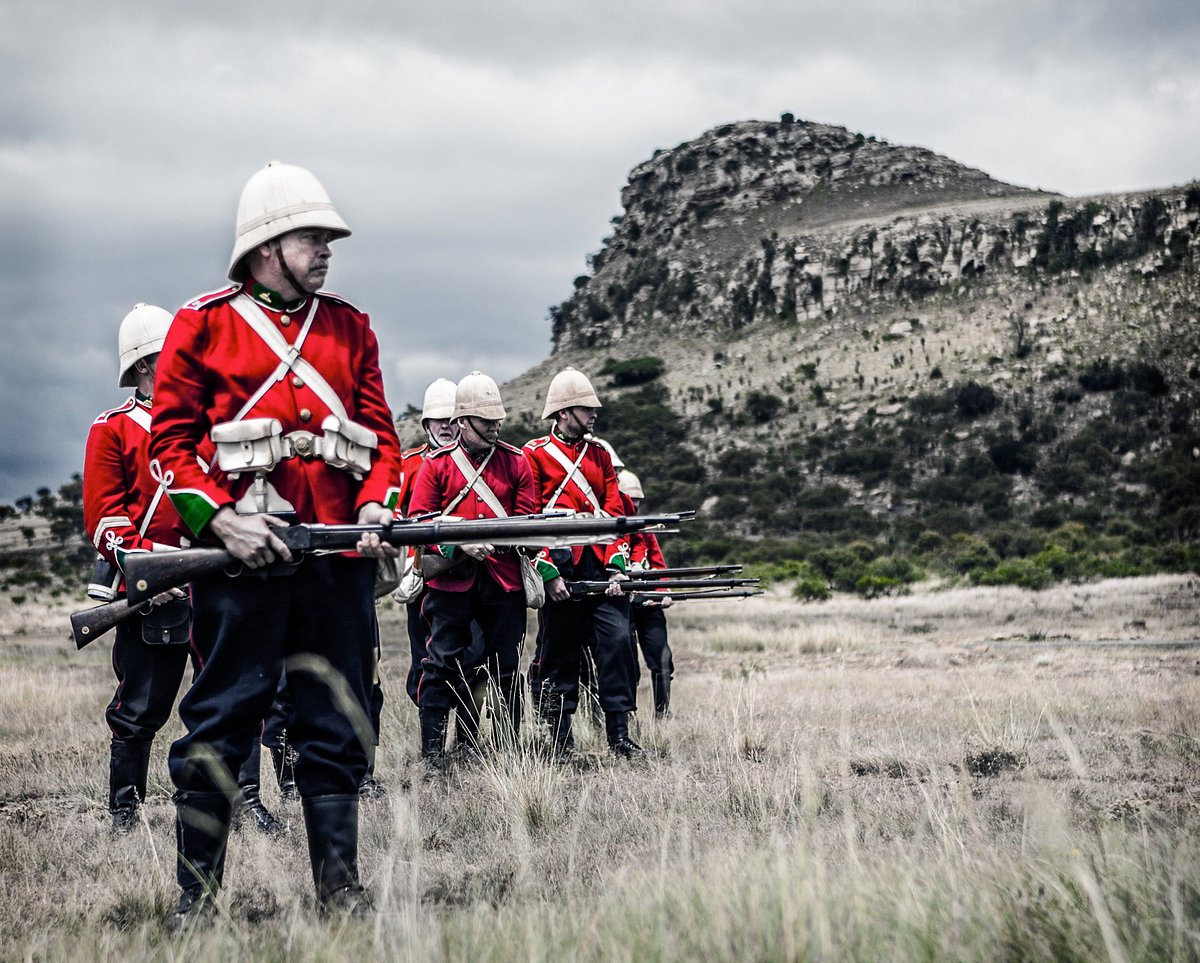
(546, 569)
(195, 508)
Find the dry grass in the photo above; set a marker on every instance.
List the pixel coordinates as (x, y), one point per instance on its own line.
(836, 783)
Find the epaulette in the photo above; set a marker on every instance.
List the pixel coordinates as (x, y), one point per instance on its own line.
(538, 442)
(105, 415)
(444, 449)
(413, 452)
(507, 447)
(212, 297)
(329, 295)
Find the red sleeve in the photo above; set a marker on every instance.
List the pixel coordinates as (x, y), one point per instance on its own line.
(180, 426)
(110, 518)
(382, 483)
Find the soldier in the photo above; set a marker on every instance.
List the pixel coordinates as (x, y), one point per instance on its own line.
(478, 476)
(573, 472)
(440, 431)
(649, 621)
(124, 513)
(270, 402)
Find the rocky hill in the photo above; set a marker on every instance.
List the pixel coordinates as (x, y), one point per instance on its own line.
(821, 337)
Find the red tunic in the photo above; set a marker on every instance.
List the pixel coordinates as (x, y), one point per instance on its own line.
(410, 468)
(213, 362)
(597, 470)
(507, 475)
(118, 488)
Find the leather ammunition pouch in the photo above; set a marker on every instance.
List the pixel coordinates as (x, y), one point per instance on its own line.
(168, 624)
(347, 445)
(412, 583)
(251, 445)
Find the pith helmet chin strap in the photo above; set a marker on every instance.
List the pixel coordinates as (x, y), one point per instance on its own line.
(287, 271)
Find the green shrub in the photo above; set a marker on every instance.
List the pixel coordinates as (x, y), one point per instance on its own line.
(635, 371)
(974, 554)
(811, 585)
(1022, 572)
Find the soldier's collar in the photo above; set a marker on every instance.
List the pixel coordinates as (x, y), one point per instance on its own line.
(273, 299)
(565, 440)
(143, 399)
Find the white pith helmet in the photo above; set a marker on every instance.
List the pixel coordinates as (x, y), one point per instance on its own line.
(612, 452)
(629, 484)
(280, 198)
(439, 400)
(478, 397)
(568, 389)
(142, 334)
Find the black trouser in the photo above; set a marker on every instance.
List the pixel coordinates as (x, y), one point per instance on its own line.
(568, 631)
(148, 678)
(650, 630)
(320, 621)
(453, 659)
(418, 636)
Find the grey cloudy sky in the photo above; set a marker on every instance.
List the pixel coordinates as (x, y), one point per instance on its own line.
(478, 149)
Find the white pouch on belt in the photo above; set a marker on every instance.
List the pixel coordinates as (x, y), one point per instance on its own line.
(253, 444)
(347, 445)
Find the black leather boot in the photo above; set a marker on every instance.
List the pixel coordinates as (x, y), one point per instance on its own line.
(250, 802)
(466, 729)
(661, 683)
(562, 744)
(128, 765)
(283, 761)
(370, 787)
(433, 737)
(201, 833)
(332, 825)
(616, 726)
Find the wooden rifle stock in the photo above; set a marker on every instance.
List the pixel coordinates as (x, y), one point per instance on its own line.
(89, 624)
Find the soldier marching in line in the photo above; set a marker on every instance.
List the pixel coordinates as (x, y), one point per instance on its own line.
(477, 476)
(125, 512)
(648, 618)
(270, 402)
(440, 431)
(574, 472)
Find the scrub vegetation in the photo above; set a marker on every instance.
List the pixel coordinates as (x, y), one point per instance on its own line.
(934, 776)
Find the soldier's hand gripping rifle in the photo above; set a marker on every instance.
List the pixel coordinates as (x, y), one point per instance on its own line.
(147, 575)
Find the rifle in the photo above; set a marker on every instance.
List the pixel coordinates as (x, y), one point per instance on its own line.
(641, 597)
(633, 588)
(148, 574)
(87, 625)
(693, 572)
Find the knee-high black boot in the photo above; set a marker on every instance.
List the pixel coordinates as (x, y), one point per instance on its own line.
(251, 801)
(332, 825)
(433, 735)
(283, 761)
(201, 833)
(128, 766)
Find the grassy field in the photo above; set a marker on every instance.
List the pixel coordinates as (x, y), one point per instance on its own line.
(935, 776)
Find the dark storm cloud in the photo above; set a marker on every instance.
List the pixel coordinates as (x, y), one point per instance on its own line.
(478, 150)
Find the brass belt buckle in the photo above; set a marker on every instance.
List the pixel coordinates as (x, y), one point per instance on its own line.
(303, 444)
